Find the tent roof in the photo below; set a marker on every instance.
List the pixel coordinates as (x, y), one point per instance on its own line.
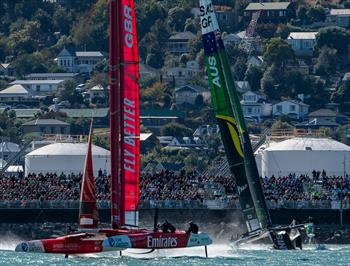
(68, 149)
(314, 144)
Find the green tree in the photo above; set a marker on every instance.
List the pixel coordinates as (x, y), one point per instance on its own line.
(70, 94)
(316, 14)
(342, 96)
(278, 52)
(239, 68)
(326, 61)
(333, 37)
(177, 17)
(253, 75)
(176, 130)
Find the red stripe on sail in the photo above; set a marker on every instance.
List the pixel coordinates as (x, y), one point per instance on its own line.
(130, 119)
(88, 214)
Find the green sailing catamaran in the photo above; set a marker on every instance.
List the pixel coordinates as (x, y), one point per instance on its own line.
(236, 139)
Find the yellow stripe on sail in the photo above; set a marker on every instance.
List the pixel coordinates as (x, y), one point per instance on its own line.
(231, 124)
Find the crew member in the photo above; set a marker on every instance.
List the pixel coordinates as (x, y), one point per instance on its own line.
(193, 228)
(167, 227)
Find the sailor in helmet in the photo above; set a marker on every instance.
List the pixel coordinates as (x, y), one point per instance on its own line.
(193, 228)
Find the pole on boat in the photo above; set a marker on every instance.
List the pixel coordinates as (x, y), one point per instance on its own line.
(66, 256)
(206, 251)
(121, 253)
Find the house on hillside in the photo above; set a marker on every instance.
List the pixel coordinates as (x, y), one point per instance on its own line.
(254, 106)
(8, 149)
(46, 126)
(292, 108)
(179, 76)
(167, 141)
(339, 17)
(179, 43)
(188, 94)
(154, 119)
(55, 76)
(233, 38)
(6, 69)
(303, 43)
(271, 12)
(14, 94)
(330, 115)
(40, 87)
(79, 61)
(242, 86)
(97, 92)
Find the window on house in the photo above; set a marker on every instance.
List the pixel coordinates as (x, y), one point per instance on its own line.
(281, 13)
(249, 110)
(37, 87)
(63, 130)
(279, 108)
(42, 129)
(52, 130)
(292, 108)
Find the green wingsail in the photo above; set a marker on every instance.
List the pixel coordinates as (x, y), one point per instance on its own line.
(227, 121)
(251, 169)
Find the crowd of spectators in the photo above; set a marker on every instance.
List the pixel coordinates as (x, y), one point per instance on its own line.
(170, 186)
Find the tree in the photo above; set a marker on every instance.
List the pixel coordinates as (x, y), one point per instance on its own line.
(70, 94)
(326, 61)
(333, 37)
(239, 68)
(342, 96)
(29, 63)
(177, 17)
(270, 83)
(176, 130)
(199, 101)
(278, 52)
(253, 75)
(279, 124)
(316, 14)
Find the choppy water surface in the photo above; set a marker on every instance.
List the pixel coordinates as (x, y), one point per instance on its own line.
(218, 255)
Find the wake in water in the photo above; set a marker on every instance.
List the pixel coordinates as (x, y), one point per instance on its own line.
(8, 241)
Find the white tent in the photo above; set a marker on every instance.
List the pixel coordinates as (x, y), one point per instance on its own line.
(303, 155)
(65, 157)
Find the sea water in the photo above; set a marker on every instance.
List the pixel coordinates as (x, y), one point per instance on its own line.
(219, 254)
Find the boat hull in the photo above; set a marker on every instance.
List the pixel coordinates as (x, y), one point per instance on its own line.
(114, 240)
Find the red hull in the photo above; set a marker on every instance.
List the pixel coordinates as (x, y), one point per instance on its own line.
(114, 239)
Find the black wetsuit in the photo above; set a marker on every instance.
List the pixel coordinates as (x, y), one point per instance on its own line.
(193, 229)
(167, 228)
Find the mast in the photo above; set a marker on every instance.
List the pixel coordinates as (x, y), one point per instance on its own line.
(88, 214)
(114, 106)
(125, 114)
(228, 124)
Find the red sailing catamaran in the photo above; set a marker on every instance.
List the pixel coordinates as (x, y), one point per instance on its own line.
(125, 163)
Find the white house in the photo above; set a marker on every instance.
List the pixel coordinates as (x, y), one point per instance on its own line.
(166, 141)
(40, 87)
(189, 93)
(291, 108)
(14, 93)
(254, 106)
(83, 61)
(303, 43)
(242, 86)
(181, 75)
(340, 17)
(53, 76)
(97, 92)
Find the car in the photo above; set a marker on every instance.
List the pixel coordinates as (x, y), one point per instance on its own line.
(21, 106)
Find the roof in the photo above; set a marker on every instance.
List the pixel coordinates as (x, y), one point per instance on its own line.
(186, 35)
(160, 113)
(318, 122)
(4, 65)
(97, 88)
(268, 6)
(51, 75)
(9, 147)
(145, 136)
(323, 112)
(42, 82)
(89, 54)
(293, 101)
(96, 113)
(302, 35)
(195, 88)
(25, 113)
(340, 12)
(40, 122)
(315, 144)
(66, 52)
(65, 149)
(15, 89)
(2, 163)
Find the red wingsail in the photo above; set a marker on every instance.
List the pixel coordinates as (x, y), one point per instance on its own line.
(124, 108)
(88, 214)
